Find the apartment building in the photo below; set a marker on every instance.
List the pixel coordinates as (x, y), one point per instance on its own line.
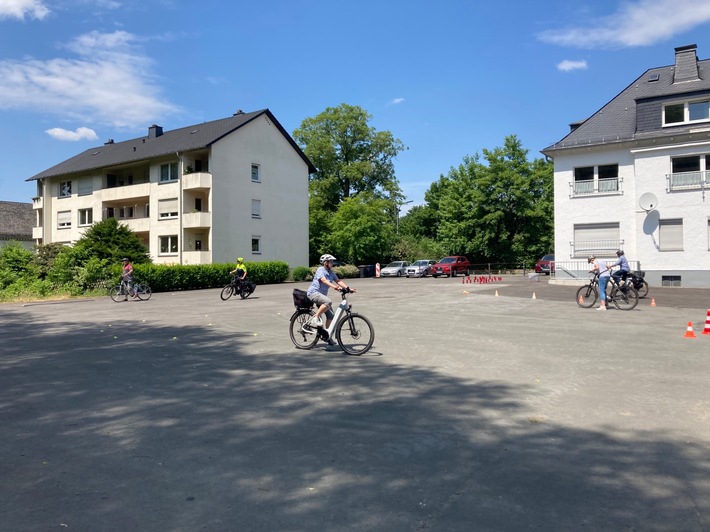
(205, 193)
(635, 176)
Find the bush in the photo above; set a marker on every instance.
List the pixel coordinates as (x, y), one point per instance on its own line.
(343, 272)
(302, 273)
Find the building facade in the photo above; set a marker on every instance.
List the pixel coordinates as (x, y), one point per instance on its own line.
(195, 195)
(636, 176)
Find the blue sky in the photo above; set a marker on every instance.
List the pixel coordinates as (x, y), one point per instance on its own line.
(447, 78)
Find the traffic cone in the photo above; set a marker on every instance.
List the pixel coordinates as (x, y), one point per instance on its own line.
(581, 300)
(706, 330)
(534, 296)
(653, 302)
(689, 333)
(463, 280)
(466, 292)
(708, 311)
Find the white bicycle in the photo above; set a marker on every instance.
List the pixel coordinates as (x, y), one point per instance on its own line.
(353, 331)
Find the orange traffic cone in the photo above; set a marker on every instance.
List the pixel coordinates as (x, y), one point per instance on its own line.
(653, 302)
(581, 300)
(689, 333)
(706, 330)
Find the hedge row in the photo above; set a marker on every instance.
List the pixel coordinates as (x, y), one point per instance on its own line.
(169, 278)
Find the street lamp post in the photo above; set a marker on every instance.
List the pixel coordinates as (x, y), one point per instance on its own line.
(399, 208)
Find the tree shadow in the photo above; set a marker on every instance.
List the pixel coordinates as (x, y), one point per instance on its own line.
(182, 428)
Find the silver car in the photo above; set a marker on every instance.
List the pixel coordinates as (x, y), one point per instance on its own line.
(420, 268)
(395, 269)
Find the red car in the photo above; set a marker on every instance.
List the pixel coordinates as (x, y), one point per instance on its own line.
(545, 265)
(451, 266)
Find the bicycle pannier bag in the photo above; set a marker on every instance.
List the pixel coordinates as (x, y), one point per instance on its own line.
(300, 299)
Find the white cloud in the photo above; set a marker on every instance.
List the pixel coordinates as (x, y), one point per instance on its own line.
(79, 134)
(397, 101)
(635, 23)
(110, 82)
(567, 65)
(21, 8)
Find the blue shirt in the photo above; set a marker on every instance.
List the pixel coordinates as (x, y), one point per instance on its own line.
(317, 286)
(623, 263)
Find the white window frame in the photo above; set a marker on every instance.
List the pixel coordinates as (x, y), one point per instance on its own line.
(256, 208)
(256, 244)
(168, 209)
(255, 173)
(64, 219)
(168, 172)
(65, 189)
(670, 239)
(169, 243)
(686, 112)
(86, 217)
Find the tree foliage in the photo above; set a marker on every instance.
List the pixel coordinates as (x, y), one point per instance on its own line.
(110, 241)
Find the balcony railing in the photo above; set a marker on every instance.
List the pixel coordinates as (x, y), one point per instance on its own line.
(688, 181)
(599, 248)
(38, 233)
(192, 220)
(595, 187)
(37, 202)
(197, 180)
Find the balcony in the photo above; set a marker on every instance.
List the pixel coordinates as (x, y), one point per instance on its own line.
(596, 187)
(688, 181)
(37, 202)
(137, 225)
(38, 233)
(195, 220)
(598, 248)
(128, 192)
(197, 180)
(196, 257)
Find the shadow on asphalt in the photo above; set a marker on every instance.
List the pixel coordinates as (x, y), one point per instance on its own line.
(177, 428)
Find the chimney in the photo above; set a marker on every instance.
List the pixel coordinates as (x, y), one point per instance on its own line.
(239, 112)
(686, 64)
(109, 141)
(154, 131)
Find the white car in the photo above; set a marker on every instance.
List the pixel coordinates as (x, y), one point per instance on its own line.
(420, 268)
(394, 269)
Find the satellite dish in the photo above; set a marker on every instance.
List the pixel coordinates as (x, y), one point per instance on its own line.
(648, 201)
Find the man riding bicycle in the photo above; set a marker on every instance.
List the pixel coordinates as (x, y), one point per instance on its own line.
(624, 268)
(324, 279)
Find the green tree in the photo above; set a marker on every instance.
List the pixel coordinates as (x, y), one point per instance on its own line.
(16, 263)
(46, 255)
(110, 241)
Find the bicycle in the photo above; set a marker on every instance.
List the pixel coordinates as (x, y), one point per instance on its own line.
(244, 288)
(624, 297)
(140, 290)
(353, 331)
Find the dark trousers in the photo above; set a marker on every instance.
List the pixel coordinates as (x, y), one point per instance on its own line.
(620, 275)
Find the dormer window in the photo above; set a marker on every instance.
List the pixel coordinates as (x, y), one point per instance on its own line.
(686, 112)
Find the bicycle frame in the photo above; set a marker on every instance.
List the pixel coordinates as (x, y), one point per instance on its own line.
(343, 308)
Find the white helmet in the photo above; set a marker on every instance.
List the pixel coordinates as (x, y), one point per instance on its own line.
(326, 257)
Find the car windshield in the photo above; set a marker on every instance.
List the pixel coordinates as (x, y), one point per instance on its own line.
(446, 260)
(421, 263)
(395, 264)
(548, 257)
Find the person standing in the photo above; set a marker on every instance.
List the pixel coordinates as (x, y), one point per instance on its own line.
(602, 268)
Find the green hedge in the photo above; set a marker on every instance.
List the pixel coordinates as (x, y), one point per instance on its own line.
(168, 278)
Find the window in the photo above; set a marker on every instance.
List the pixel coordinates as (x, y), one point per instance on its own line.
(168, 172)
(256, 208)
(86, 186)
(65, 189)
(168, 245)
(670, 235)
(607, 180)
(599, 239)
(86, 216)
(670, 280)
(168, 209)
(708, 234)
(681, 113)
(256, 244)
(63, 219)
(255, 176)
(585, 173)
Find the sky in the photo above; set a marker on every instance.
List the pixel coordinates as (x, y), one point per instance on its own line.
(448, 78)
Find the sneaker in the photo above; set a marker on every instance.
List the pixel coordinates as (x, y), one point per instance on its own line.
(331, 341)
(315, 322)
(601, 308)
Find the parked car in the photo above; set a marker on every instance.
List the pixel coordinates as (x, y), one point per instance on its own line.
(420, 268)
(545, 265)
(451, 266)
(395, 269)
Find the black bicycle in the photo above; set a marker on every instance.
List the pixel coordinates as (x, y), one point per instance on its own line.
(624, 297)
(236, 286)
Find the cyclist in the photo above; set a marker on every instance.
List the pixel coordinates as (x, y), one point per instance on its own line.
(240, 271)
(604, 275)
(624, 268)
(127, 278)
(324, 279)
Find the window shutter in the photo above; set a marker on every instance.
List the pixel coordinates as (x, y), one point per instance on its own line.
(670, 235)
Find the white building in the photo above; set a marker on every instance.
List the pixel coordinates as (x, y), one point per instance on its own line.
(196, 195)
(635, 176)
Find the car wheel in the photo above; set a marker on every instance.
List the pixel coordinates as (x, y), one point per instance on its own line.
(453, 273)
(399, 274)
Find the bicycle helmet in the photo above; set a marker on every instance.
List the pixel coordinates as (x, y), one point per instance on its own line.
(620, 253)
(326, 257)
(240, 259)
(124, 259)
(591, 258)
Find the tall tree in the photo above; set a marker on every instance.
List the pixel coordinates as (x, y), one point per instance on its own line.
(111, 241)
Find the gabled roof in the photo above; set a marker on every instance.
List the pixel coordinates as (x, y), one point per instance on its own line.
(616, 121)
(169, 142)
(16, 220)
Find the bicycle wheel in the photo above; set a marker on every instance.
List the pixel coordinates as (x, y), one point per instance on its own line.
(643, 291)
(116, 293)
(587, 296)
(626, 298)
(226, 292)
(245, 292)
(301, 338)
(143, 292)
(355, 334)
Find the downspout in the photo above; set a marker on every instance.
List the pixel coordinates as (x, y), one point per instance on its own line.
(181, 236)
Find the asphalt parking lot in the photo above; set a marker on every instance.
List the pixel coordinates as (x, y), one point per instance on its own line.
(480, 407)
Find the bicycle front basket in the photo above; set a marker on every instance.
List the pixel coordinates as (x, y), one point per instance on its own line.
(300, 299)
